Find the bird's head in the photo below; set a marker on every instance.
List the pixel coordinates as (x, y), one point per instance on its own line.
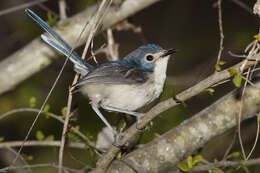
(149, 56)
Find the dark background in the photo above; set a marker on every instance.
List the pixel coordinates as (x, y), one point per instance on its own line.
(189, 26)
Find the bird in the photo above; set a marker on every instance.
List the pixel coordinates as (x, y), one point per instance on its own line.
(123, 85)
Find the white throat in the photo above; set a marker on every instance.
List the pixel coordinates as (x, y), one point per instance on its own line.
(160, 70)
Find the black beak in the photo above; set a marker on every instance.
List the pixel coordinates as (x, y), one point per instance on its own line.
(169, 52)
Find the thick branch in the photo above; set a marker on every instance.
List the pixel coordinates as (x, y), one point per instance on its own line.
(37, 55)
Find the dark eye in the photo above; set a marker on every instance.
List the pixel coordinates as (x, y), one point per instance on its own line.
(149, 58)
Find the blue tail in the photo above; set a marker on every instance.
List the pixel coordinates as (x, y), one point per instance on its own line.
(79, 64)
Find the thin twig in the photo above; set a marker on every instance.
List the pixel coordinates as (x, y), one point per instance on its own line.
(223, 164)
(42, 165)
(62, 9)
(42, 144)
(256, 139)
(220, 25)
(240, 114)
(20, 7)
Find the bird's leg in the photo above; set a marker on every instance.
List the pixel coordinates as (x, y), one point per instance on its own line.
(116, 135)
(138, 115)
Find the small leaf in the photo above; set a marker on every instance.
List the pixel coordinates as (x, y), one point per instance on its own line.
(217, 67)
(257, 37)
(233, 72)
(49, 138)
(222, 62)
(119, 155)
(71, 135)
(2, 139)
(29, 158)
(32, 102)
(39, 135)
(182, 166)
(52, 20)
(189, 162)
(217, 171)
(237, 80)
(197, 159)
(210, 91)
(215, 160)
(46, 108)
(64, 111)
(234, 155)
(65, 24)
(77, 127)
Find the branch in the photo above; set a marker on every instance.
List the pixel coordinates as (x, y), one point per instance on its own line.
(42, 144)
(225, 164)
(43, 165)
(36, 55)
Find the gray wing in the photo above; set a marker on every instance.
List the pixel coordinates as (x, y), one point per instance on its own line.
(114, 73)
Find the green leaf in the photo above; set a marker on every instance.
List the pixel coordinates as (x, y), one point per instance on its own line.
(39, 135)
(77, 127)
(182, 166)
(257, 37)
(119, 155)
(29, 158)
(65, 24)
(64, 111)
(49, 138)
(217, 67)
(197, 159)
(237, 80)
(222, 62)
(32, 102)
(210, 91)
(2, 139)
(189, 162)
(234, 155)
(52, 20)
(71, 135)
(217, 171)
(233, 72)
(46, 108)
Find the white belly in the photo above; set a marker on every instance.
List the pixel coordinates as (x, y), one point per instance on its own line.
(127, 97)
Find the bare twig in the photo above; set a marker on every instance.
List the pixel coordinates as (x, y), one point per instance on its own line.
(220, 25)
(240, 114)
(112, 46)
(223, 164)
(43, 165)
(42, 144)
(243, 6)
(62, 9)
(256, 138)
(20, 7)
